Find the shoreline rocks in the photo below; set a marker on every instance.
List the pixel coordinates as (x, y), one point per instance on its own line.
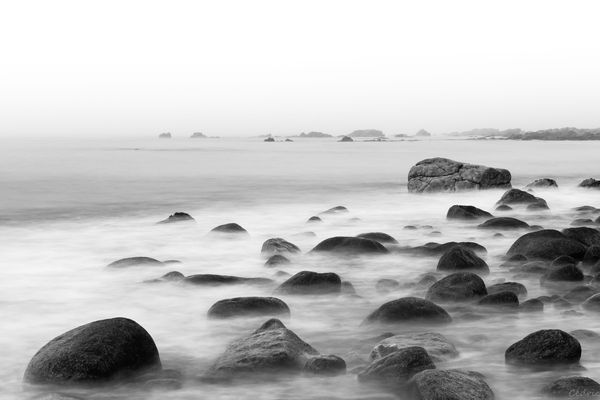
(349, 245)
(544, 347)
(309, 282)
(409, 309)
(248, 307)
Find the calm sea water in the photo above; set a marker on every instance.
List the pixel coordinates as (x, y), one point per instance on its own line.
(69, 207)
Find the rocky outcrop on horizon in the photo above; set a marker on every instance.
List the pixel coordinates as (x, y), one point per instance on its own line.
(370, 133)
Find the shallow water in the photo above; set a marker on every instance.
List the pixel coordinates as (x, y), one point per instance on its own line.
(71, 207)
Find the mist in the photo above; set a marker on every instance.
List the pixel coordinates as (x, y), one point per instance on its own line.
(235, 68)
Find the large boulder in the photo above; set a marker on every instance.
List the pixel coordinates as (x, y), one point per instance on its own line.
(504, 223)
(543, 183)
(466, 212)
(444, 175)
(247, 307)
(459, 258)
(437, 346)
(452, 384)
(584, 235)
(135, 262)
(460, 286)
(309, 282)
(217, 280)
(573, 387)
(409, 310)
(108, 349)
(350, 245)
(544, 347)
(398, 367)
(380, 237)
(547, 244)
(278, 246)
(271, 348)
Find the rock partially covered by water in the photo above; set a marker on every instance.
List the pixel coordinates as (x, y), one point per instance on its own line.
(177, 217)
(460, 258)
(409, 309)
(564, 273)
(544, 347)
(398, 367)
(350, 245)
(276, 260)
(578, 387)
(517, 196)
(590, 183)
(278, 246)
(231, 228)
(109, 349)
(517, 288)
(547, 244)
(452, 384)
(503, 299)
(247, 307)
(272, 348)
(460, 286)
(466, 212)
(309, 282)
(216, 280)
(335, 210)
(504, 223)
(444, 175)
(135, 262)
(437, 346)
(325, 365)
(584, 235)
(543, 183)
(380, 237)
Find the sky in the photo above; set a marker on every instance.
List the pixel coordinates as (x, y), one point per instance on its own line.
(245, 68)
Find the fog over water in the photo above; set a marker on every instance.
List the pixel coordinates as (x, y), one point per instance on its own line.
(71, 206)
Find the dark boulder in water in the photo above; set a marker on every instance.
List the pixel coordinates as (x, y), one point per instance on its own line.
(350, 245)
(248, 306)
(504, 223)
(135, 262)
(592, 255)
(547, 244)
(216, 280)
(272, 348)
(177, 217)
(452, 384)
(532, 305)
(409, 310)
(515, 287)
(460, 258)
(565, 273)
(460, 286)
(398, 367)
(110, 349)
(278, 246)
(173, 276)
(346, 139)
(378, 237)
(503, 207)
(314, 218)
(335, 210)
(584, 235)
(445, 175)
(544, 347)
(437, 346)
(231, 228)
(590, 183)
(516, 196)
(438, 249)
(328, 365)
(539, 205)
(466, 212)
(583, 222)
(543, 183)
(504, 299)
(276, 260)
(309, 282)
(578, 387)
(580, 293)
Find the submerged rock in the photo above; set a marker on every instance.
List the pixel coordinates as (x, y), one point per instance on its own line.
(309, 282)
(313, 219)
(504, 207)
(467, 212)
(398, 367)
(272, 348)
(452, 384)
(177, 217)
(350, 245)
(231, 228)
(276, 260)
(135, 262)
(325, 365)
(516, 196)
(409, 309)
(108, 349)
(460, 258)
(504, 299)
(566, 273)
(504, 223)
(335, 210)
(592, 303)
(378, 237)
(579, 387)
(278, 246)
(442, 174)
(515, 287)
(173, 276)
(580, 294)
(584, 235)
(532, 305)
(460, 286)
(387, 285)
(248, 306)
(216, 280)
(437, 346)
(547, 244)
(438, 249)
(544, 347)
(543, 183)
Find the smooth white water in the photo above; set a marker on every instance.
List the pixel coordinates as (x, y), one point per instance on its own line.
(68, 208)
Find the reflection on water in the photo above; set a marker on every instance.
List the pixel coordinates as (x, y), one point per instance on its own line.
(71, 208)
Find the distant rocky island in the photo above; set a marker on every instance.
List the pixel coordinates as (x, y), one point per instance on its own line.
(423, 133)
(314, 135)
(368, 133)
(198, 135)
(568, 133)
(166, 135)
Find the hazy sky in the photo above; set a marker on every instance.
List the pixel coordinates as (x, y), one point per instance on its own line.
(254, 67)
